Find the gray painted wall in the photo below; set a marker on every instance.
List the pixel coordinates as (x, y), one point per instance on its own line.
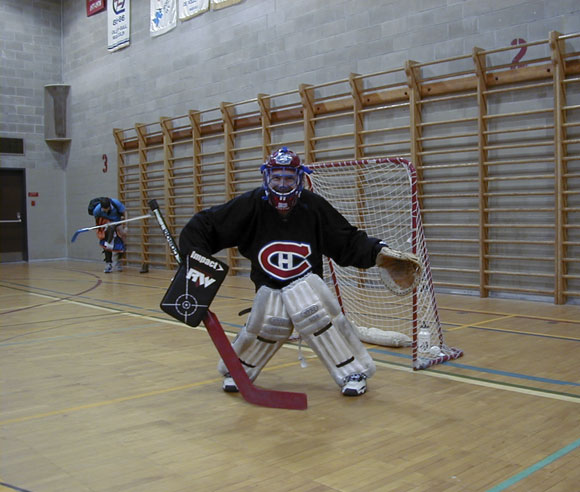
(258, 46)
(31, 57)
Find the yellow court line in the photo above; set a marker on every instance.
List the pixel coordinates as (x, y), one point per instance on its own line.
(467, 310)
(522, 315)
(178, 323)
(122, 399)
(84, 304)
(449, 308)
(507, 330)
(307, 349)
(106, 402)
(468, 325)
(458, 379)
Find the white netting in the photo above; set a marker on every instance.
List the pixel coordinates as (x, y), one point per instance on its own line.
(380, 197)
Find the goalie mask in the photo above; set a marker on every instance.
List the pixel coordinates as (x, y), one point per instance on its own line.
(282, 174)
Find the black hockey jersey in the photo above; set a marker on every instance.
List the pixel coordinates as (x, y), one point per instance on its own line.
(280, 249)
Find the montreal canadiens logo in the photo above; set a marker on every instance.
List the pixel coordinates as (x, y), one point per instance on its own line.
(285, 260)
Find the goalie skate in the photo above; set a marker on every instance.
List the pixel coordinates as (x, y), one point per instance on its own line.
(354, 385)
(229, 385)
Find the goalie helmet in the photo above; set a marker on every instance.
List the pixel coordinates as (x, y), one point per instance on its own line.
(282, 175)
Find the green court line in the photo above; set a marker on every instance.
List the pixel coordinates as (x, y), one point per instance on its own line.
(534, 468)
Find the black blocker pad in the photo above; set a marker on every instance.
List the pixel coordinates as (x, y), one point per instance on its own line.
(193, 288)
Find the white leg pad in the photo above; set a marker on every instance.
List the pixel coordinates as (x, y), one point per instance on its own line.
(266, 330)
(317, 316)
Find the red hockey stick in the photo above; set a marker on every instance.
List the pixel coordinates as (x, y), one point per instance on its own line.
(250, 392)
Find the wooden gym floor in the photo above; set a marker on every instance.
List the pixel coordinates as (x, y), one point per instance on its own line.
(100, 391)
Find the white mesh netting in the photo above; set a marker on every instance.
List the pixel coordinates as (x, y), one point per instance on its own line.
(380, 197)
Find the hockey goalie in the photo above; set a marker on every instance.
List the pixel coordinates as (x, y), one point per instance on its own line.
(284, 230)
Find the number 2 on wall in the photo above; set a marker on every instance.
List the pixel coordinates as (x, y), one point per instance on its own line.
(105, 163)
(520, 53)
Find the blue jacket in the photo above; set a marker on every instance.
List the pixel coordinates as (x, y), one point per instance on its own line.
(116, 213)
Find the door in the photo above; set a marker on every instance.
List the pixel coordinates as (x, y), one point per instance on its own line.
(13, 243)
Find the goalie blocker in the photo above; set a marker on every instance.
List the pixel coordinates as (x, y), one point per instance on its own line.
(193, 288)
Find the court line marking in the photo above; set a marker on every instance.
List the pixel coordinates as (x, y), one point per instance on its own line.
(569, 397)
(97, 404)
(469, 325)
(522, 332)
(471, 380)
(6, 486)
(121, 399)
(440, 306)
(514, 388)
(450, 326)
(500, 487)
(499, 313)
(477, 381)
(452, 363)
(479, 325)
(55, 298)
(537, 466)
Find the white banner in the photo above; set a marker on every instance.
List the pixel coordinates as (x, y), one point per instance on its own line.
(222, 4)
(118, 24)
(191, 8)
(163, 16)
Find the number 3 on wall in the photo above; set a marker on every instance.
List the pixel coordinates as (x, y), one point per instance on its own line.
(105, 163)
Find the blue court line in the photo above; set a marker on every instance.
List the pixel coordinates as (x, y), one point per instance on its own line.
(13, 487)
(534, 468)
(485, 370)
(380, 351)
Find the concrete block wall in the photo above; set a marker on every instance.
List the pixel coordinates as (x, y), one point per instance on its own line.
(257, 46)
(31, 57)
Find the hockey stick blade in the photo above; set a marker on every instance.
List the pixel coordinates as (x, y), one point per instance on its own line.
(250, 392)
(76, 234)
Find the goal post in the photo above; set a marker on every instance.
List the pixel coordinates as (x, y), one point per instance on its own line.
(380, 197)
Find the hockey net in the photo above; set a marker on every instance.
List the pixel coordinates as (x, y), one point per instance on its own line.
(380, 197)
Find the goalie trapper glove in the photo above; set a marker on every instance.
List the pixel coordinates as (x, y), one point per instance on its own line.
(400, 271)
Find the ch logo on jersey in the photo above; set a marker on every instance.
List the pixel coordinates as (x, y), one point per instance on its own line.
(285, 260)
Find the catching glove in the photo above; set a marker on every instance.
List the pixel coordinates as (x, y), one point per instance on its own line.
(400, 272)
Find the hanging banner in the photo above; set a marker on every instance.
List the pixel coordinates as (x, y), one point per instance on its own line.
(163, 16)
(118, 23)
(222, 4)
(191, 8)
(94, 6)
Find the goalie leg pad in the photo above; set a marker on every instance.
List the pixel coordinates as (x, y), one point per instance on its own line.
(317, 316)
(266, 330)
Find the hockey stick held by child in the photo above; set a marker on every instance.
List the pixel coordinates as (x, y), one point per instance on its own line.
(108, 224)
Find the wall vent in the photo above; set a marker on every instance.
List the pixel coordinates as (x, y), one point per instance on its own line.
(11, 146)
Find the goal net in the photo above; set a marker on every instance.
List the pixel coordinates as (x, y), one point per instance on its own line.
(380, 197)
